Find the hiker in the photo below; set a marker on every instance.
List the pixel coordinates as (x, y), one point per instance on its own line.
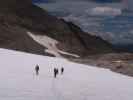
(62, 70)
(37, 69)
(55, 72)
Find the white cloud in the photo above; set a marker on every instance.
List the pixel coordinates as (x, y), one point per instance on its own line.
(104, 11)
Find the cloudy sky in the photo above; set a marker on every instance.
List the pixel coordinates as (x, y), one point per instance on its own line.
(78, 0)
(128, 3)
(105, 19)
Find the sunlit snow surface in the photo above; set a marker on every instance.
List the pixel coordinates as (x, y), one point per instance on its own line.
(50, 44)
(79, 82)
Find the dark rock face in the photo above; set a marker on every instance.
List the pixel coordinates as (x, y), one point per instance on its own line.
(21, 16)
(93, 44)
(13, 4)
(36, 19)
(15, 37)
(12, 35)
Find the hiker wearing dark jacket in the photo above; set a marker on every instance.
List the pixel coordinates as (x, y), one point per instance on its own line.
(55, 72)
(37, 69)
(62, 70)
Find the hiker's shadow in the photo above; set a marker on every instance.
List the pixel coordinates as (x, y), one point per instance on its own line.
(57, 93)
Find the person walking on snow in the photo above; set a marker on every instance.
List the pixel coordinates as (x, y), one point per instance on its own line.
(37, 69)
(62, 70)
(55, 72)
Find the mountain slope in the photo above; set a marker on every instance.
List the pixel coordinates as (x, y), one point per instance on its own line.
(31, 18)
(16, 38)
(79, 82)
(68, 34)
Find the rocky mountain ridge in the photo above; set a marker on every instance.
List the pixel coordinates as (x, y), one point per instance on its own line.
(18, 17)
